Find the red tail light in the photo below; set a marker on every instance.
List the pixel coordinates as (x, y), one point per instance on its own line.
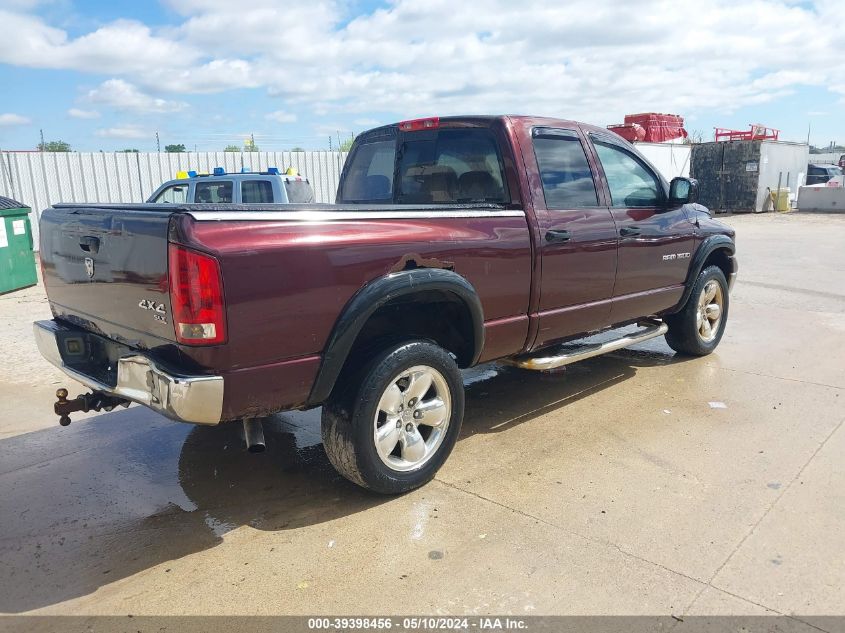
(196, 297)
(416, 125)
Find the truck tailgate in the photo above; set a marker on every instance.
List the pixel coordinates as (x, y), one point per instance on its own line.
(105, 269)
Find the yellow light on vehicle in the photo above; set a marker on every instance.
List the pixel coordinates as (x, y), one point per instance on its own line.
(181, 174)
(291, 171)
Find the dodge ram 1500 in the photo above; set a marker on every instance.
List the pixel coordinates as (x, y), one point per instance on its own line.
(454, 241)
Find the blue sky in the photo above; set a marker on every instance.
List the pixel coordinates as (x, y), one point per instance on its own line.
(208, 73)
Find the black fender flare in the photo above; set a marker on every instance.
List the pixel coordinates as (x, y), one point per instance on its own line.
(704, 250)
(378, 293)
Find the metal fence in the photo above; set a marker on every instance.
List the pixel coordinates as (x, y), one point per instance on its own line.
(41, 179)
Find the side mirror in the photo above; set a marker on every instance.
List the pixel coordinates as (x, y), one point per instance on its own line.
(683, 191)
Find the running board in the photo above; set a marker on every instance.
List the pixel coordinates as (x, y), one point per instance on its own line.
(653, 329)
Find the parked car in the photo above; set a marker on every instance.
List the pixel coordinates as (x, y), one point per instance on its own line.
(241, 188)
(820, 173)
(454, 241)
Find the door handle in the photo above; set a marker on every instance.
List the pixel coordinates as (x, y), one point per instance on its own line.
(558, 236)
(90, 244)
(630, 231)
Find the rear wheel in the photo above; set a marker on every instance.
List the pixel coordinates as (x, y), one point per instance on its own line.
(698, 327)
(392, 428)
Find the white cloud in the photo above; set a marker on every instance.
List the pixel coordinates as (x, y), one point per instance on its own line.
(127, 131)
(280, 116)
(588, 59)
(76, 113)
(122, 46)
(10, 119)
(122, 95)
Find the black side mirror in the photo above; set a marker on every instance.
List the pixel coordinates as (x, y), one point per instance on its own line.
(683, 191)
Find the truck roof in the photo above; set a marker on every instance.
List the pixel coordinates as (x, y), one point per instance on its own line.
(487, 119)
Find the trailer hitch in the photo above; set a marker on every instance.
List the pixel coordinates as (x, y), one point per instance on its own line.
(94, 401)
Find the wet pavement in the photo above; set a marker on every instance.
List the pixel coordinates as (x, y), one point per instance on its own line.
(635, 483)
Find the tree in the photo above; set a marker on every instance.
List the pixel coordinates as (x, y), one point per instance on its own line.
(250, 146)
(175, 148)
(231, 148)
(297, 149)
(54, 146)
(346, 145)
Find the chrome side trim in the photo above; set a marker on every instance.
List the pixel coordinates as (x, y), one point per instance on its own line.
(540, 363)
(195, 399)
(335, 216)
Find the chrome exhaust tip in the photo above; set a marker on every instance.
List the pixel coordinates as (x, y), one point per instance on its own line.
(254, 435)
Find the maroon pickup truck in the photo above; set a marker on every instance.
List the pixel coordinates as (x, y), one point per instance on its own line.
(454, 241)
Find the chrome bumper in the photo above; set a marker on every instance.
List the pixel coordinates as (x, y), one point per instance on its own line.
(195, 399)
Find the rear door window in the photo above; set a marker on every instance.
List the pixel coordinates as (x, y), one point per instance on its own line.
(564, 170)
(369, 176)
(215, 192)
(450, 166)
(256, 192)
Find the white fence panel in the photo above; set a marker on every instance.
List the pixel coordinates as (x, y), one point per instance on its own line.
(41, 179)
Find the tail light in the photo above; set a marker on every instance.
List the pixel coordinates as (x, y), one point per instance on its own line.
(196, 297)
(415, 125)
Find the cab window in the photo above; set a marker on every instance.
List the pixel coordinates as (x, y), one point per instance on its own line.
(256, 192)
(174, 194)
(631, 183)
(214, 192)
(564, 170)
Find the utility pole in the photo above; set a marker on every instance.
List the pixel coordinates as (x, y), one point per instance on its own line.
(330, 142)
(158, 144)
(43, 145)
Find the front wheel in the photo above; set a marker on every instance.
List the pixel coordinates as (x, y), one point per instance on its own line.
(698, 327)
(392, 428)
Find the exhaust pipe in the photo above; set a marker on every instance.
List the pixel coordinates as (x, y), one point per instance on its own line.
(254, 435)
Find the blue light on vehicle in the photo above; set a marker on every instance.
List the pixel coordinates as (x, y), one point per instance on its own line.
(192, 174)
(273, 171)
(246, 170)
(219, 171)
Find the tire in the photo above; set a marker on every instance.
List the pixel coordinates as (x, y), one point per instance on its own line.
(694, 330)
(384, 402)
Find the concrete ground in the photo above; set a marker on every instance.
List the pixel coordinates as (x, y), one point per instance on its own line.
(637, 483)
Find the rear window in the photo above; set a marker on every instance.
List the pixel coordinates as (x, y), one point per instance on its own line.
(299, 191)
(218, 191)
(369, 177)
(256, 191)
(450, 166)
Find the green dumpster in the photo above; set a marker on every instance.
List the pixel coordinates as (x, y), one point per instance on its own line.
(17, 261)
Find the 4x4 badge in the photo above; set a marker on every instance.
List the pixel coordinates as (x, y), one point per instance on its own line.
(89, 267)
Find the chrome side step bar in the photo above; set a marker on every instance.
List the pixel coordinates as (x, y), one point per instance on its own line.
(653, 329)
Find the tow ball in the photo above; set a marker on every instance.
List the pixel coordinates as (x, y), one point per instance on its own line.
(94, 401)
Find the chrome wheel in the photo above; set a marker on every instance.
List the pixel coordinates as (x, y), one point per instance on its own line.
(412, 418)
(711, 303)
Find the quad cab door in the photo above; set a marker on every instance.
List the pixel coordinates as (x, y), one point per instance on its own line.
(656, 239)
(577, 237)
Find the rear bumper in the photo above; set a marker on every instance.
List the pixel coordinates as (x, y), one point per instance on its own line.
(195, 399)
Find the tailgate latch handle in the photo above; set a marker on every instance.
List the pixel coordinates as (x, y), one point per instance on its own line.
(90, 244)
